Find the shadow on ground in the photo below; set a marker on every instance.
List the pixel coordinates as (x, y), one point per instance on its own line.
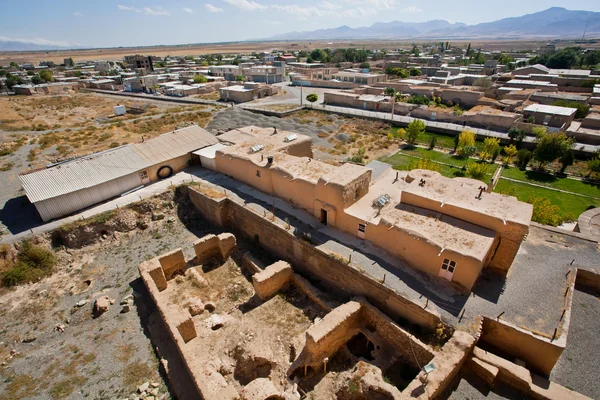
(19, 215)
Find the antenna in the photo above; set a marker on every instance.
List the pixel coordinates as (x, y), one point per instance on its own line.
(585, 30)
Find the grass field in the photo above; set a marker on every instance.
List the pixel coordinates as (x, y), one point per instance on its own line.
(403, 159)
(539, 178)
(570, 205)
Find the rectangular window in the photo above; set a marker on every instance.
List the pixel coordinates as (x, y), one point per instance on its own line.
(258, 173)
(448, 265)
(362, 228)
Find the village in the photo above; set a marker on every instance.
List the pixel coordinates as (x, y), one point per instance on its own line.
(336, 223)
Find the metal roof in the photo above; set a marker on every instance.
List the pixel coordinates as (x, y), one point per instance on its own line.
(554, 110)
(95, 169)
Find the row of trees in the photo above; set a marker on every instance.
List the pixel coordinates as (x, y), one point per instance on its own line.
(570, 57)
(12, 80)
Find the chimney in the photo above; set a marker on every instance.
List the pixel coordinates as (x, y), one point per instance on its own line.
(269, 159)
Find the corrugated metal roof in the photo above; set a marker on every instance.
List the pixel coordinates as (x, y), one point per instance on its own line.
(89, 171)
(554, 110)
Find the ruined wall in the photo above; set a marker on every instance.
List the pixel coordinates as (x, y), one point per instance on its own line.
(310, 261)
(538, 352)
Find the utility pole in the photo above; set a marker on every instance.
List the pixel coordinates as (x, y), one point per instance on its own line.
(301, 93)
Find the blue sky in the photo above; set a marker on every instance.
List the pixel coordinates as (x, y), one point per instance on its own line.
(105, 23)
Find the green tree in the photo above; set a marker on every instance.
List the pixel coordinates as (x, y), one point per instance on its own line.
(424, 163)
(465, 139)
(415, 50)
(468, 151)
(414, 130)
(516, 135)
(593, 166)
(509, 153)
(319, 55)
(47, 75)
(483, 84)
(490, 147)
(240, 78)
(36, 80)
(523, 158)
(390, 91)
(432, 142)
(468, 50)
(415, 72)
(312, 98)
(582, 109)
(14, 64)
(365, 65)
(566, 160)
(551, 146)
(200, 79)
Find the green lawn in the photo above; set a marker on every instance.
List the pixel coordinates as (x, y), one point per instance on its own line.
(570, 205)
(444, 141)
(539, 178)
(402, 162)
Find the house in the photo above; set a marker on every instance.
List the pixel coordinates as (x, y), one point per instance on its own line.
(446, 227)
(247, 92)
(264, 73)
(139, 62)
(360, 78)
(552, 116)
(64, 188)
(286, 58)
(45, 88)
(146, 84)
(227, 72)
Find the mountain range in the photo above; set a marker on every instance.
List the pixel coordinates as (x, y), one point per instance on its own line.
(555, 22)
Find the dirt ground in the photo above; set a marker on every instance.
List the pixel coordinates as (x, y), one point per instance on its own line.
(335, 137)
(249, 47)
(75, 124)
(51, 347)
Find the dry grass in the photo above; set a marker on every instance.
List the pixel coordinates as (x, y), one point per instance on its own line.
(207, 190)
(209, 96)
(136, 373)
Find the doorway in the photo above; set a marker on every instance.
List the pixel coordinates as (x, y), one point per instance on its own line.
(447, 270)
(323, 216)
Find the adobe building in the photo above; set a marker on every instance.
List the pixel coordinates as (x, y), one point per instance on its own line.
(450, 228)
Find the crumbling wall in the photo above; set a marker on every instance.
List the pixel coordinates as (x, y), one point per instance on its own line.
(537, 352)
(271, 279)
(172, 262)
(314, 262)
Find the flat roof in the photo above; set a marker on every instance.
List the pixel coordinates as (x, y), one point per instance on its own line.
(236, 88)
(361, 74)
(554, 110)
(530, 83)
(442, 230)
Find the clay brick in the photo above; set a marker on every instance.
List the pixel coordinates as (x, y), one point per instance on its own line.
(172, 262)
(187, 330)
(206, 248)
(271, 279)
(227, 244)
(158, 276)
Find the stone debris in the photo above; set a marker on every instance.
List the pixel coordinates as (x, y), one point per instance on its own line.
(143, 387)
(196, 308)
(215, 322)
(81, 303)
(101, 306)
(59, 328)
(170, 220)
(29, 339)
(157, 216)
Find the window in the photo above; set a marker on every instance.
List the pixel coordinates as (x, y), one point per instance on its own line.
(448, 265)
(362, 228)
(143, 174)
(258, 173)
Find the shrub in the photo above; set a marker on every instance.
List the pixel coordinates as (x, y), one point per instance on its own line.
(33, 262)
(545, 212)
(490, 147)
(477, 170)
(424, 163)
(414, 130)
(509, 153)
(582, 109)
(432, 142)
(465, 139)
(523, 158)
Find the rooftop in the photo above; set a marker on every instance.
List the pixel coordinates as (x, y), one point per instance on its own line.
(553, 110)
(94, 169)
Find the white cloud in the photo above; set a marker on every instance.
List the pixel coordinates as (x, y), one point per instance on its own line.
(358, 12)
(155, 11)
(377, 4)
(246, 5)
(188, 10)
(39, 41)
(78, 14)
(300, 12)
(411, 9)
(127, 8)
(271, 22)
(212, 8)
(326, 5)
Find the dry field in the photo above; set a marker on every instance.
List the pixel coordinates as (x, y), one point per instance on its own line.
(248, 47)
(69, 125)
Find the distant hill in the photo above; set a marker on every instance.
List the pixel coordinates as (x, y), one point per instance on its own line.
(554, 22)
(13, 45)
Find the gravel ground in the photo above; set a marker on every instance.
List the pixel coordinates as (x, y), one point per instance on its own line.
(237, 117)
(578, 366)
(102, 358)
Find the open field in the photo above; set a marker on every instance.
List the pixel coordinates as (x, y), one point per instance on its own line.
(74, 124)
(248, 47)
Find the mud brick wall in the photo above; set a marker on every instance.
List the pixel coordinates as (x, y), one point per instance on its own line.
(310, 261)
